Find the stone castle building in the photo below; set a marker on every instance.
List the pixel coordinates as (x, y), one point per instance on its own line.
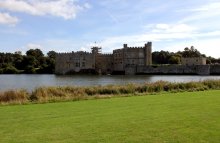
(95, 62)
(193, 61)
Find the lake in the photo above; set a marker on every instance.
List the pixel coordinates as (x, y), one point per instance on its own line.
(33, 81)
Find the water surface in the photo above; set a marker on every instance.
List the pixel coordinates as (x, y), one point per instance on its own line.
(32, 81)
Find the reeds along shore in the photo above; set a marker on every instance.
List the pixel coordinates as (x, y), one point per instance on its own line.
(71, 93)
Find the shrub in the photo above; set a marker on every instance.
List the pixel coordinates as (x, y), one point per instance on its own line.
(10, 70)
(51, 94)
(14, 96)
(1, 71)
(212, 84)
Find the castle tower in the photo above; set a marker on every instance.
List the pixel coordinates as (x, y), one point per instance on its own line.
(148, 53)
(96, 50)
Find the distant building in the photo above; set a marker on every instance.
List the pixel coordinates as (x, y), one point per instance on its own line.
(193, 61)
(80, 62)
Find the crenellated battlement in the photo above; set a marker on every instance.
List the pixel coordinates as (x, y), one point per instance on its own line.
(65, 53)
(135, 47)
(106, 54)
(73, 53)
(82, 52)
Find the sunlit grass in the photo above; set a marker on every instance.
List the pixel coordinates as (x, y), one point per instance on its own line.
(187, 117)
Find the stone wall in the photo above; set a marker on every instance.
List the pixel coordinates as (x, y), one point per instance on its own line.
(104, 63)
(73, 62)
(132, 56)
(193, 61)
(131, 70)
(172, 69)
(118, 60)
(215, 69)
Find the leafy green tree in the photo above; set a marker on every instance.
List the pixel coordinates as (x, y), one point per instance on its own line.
(191, 52)
(35, 53)
(10, 69)
(30, 61)
(174, 59)
(161, 57)
(30, 69)
(51, 54)
(1, 71)
(33, 62)
(18, 59)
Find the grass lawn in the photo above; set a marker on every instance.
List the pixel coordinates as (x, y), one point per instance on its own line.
(171, 117)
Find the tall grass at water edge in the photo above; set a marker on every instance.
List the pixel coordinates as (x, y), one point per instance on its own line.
(71, 93)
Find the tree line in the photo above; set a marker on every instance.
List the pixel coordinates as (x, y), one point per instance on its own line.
(166, 57)
(34, 61)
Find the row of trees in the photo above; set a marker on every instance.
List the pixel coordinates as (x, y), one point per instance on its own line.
(165, 57)
(33, 62)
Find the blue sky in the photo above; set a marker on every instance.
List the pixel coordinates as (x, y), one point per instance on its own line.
(72, 25)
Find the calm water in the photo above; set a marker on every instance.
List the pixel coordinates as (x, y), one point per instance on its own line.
(30, 82)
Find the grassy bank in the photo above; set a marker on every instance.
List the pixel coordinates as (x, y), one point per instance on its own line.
(191, 117)
(70, 93)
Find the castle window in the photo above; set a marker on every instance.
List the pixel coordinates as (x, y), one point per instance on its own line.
(77, 65)
(83, 64)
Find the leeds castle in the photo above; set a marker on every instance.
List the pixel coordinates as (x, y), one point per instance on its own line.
(118, 62)
(129, 61)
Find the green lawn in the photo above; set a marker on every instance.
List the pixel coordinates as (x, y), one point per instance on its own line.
(168, 118)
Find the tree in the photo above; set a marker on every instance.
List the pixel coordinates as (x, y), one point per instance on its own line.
(51, 54)
(35, 53)
(30, 61)
(18, 59)
(174, 59)
(33, 62)
(191, 52)
(30, 69)
(10, 69)
(161, 57)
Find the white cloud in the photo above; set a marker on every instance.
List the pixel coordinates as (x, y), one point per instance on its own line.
(34, 46)
(186, 35)
(159, 32)
(162, 26)
(7, 19)
(66, 9)
(203, 12)
(176, 28)
(87, 6)
(208, 7)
